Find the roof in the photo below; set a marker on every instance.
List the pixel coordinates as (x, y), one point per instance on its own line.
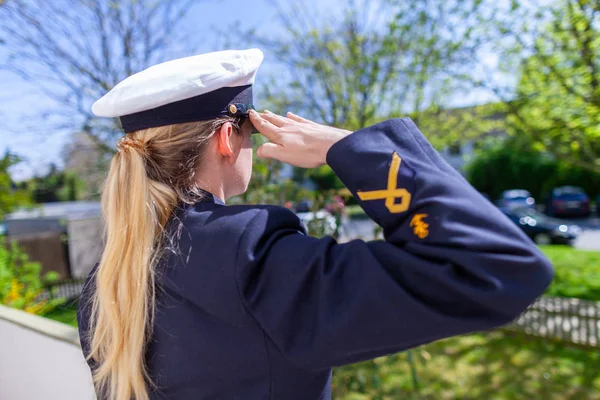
(69, 210)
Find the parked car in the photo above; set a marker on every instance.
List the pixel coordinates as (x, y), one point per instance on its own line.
(568, 201)
(541, 228)
(515, 198)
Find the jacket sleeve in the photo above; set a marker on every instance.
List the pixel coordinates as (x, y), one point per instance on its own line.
(451, 263)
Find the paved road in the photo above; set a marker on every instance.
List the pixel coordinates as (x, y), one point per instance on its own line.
(589, 240)
(585, 223)
(358, 229)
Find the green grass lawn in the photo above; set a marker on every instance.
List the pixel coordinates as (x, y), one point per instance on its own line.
(67, 314)
(577, 272)
(495, 365)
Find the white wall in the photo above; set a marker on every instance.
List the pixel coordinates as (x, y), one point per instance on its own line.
(40, 359)
(458, 161)
(86, 242)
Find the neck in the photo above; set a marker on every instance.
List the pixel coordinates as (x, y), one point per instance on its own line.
(216, 190)
(211, 178)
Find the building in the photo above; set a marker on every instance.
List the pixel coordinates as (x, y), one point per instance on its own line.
(78, 224)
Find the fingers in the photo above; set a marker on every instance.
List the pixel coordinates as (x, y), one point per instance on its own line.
(265, 127)
(275, 119)
(298, 118)
(269, 150)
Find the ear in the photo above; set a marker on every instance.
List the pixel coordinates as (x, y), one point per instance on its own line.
(224, 139)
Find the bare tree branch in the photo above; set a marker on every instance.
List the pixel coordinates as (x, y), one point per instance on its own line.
(76, 50)
(371, 60)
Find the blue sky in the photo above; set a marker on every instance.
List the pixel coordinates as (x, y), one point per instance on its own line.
(20, 101)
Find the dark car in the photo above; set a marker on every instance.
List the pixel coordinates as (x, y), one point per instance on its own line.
(515, 198)
(541, 228)
(568, 201)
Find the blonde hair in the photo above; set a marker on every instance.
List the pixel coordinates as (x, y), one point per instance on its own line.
(152, 173)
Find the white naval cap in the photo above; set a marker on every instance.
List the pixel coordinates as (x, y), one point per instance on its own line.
(196, 88)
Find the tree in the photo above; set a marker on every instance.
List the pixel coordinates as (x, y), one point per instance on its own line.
(85, 162)
(56, 185)
(558, 95)
(513, 163)
(11, 196)
(377, 59)
(510, 163)
(74, 51)
(453, 126)
(555, 100)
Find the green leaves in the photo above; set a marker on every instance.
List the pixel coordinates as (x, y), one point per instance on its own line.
(559, 89)
(513, 163)
(368, 65)
(21, 282)
(10, 196)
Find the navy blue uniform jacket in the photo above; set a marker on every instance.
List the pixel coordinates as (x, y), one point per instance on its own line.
(253, 308)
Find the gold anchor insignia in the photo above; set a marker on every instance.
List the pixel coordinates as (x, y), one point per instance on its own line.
(233, 109)
(420, 227)
(392, 192)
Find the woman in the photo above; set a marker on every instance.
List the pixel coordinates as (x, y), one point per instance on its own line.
(193, 299)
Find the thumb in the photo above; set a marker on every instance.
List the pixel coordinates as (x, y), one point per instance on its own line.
(269, 150)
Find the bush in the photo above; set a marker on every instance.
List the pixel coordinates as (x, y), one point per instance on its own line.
(513, 164)
(10, 196)
(577, 272)
(21, 282)
(506, 165)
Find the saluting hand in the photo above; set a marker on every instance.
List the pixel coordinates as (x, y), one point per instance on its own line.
(295, 140)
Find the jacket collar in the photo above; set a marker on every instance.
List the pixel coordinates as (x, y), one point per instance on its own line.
(211, 198)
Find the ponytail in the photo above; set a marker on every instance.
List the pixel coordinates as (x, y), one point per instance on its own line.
(136, 210)
(153, 171)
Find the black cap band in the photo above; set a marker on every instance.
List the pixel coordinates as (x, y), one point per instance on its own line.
(227, 101)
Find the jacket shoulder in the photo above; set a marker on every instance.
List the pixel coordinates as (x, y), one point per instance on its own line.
(238, 218)
(268, 218)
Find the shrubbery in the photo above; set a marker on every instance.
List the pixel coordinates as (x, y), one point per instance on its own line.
(21, 281)
(513, 164)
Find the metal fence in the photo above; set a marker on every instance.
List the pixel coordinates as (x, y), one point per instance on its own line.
(66, 289)
(571, 320)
